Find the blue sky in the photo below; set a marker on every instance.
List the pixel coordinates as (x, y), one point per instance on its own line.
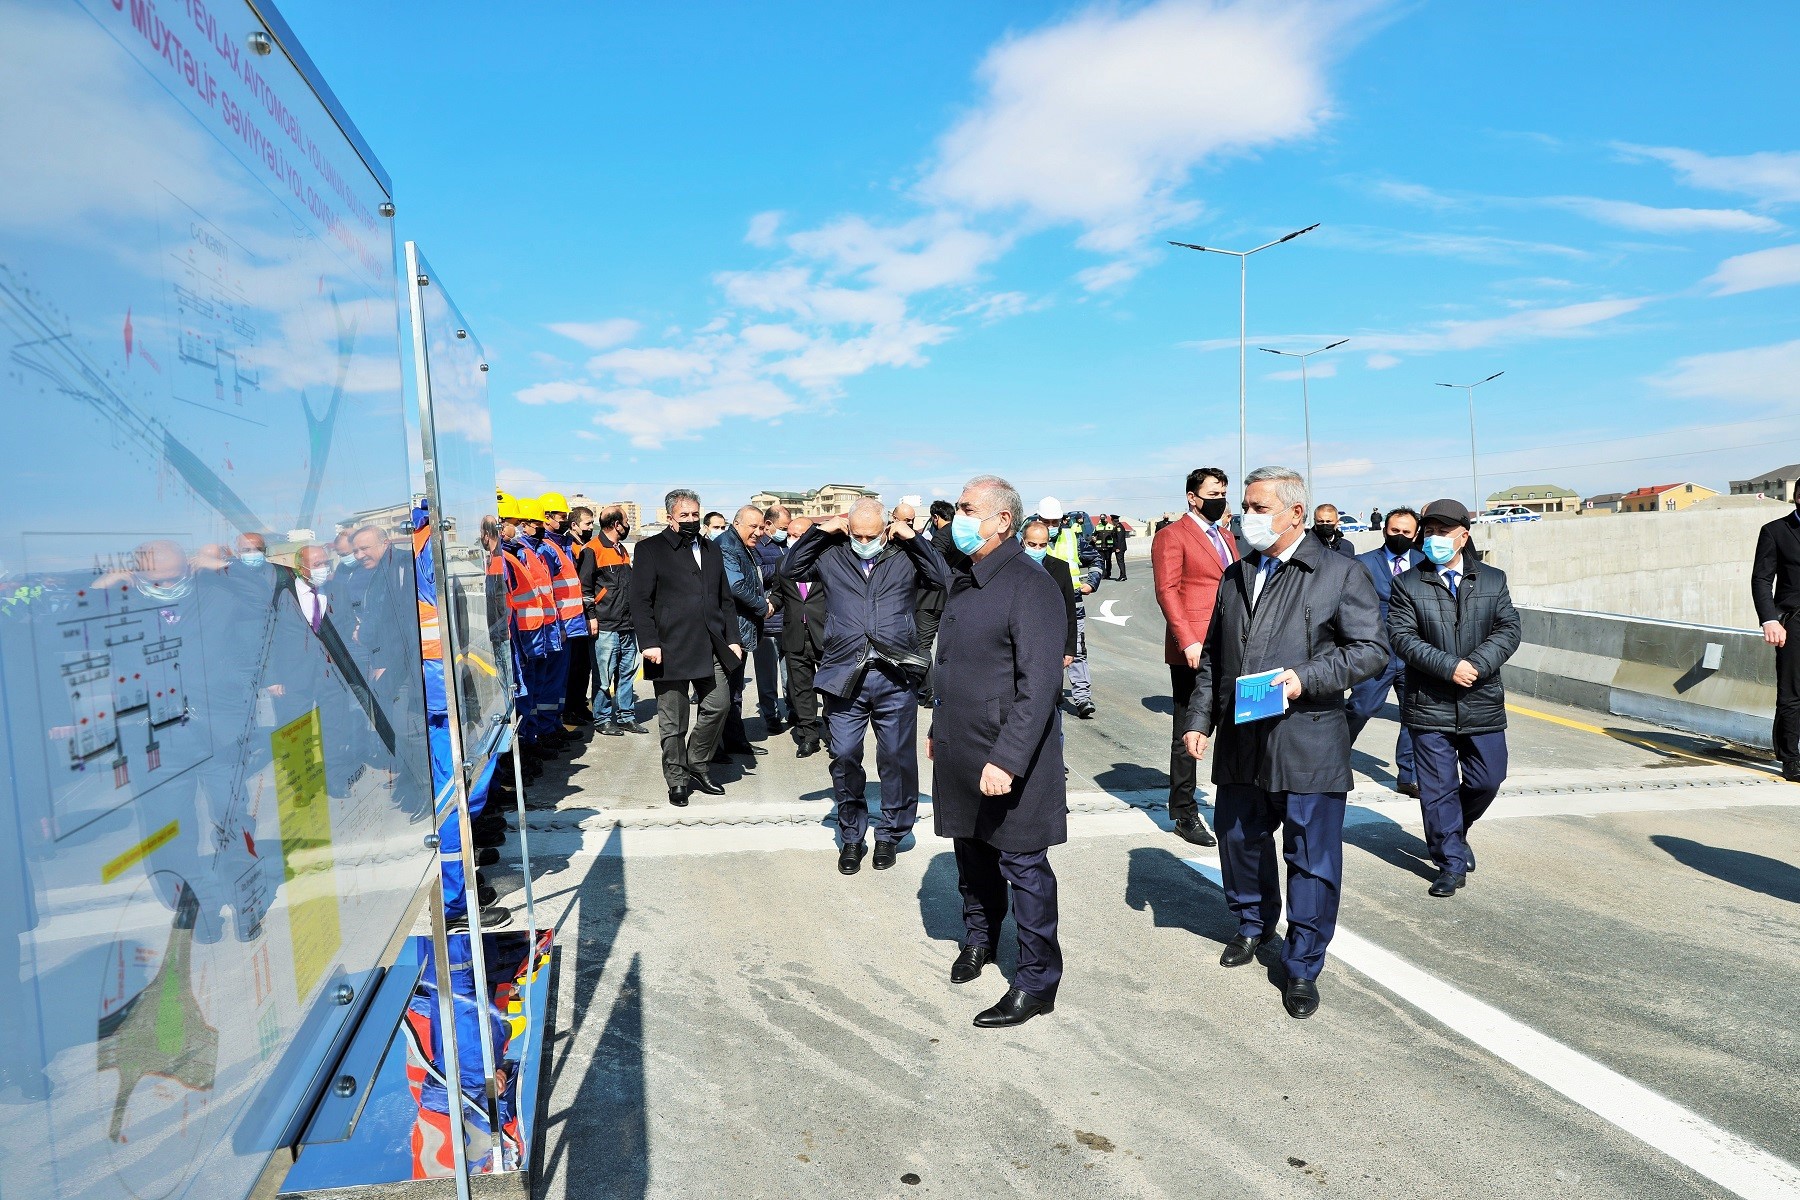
(741, 247)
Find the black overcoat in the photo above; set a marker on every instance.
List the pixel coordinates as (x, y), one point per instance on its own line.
(1318, 616)
(1432, 631)
(998, 682)
(686, 610)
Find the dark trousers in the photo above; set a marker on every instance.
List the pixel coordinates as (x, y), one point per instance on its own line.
(1183, 770)
(802, 666)
(893, 707)
(1459, 776)
(1366, 699)
(982, 875)
(769, 673)
(1106, 561)
(1787, 694)
(735, 736)
(682, 754)
(1312, 842)
(578, 693)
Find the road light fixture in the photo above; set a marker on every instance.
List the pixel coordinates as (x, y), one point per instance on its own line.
(1305, 400)
(1474, 473)
(1243, 257)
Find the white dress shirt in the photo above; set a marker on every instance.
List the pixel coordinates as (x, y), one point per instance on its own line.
(308, 596)
(1263, 573)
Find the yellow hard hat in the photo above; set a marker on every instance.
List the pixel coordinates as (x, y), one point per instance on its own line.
(506, 507)
(529, 509)
(554, 502)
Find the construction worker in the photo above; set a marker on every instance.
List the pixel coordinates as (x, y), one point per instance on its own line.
(571, 613)
(539, 722)
(1070, 543)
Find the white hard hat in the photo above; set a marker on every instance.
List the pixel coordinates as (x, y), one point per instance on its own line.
(1050, 508)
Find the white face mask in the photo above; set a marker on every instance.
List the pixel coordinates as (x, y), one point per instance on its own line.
(1259, 531)
(319, 576)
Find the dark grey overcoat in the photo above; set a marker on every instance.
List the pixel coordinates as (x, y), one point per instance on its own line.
(1319, 616)
(998, 683)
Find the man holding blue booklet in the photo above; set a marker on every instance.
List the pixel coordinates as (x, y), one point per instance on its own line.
(1308, 623)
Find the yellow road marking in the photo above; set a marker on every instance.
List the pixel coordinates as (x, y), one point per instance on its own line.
(1635, 739)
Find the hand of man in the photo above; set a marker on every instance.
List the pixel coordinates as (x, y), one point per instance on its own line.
(770, 611)
(1193, 653)
(930, 749)
(653, 655)
(837, 524)
(1775, 633)
(1195, 743)
(901, 530)
(1465, 674)
(593, 626)
(1290, 683)
(737, 650)
(1087, 589)
(994, 781)
(1067, 659)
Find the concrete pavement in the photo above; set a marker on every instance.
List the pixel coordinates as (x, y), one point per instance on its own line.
(738, 1018)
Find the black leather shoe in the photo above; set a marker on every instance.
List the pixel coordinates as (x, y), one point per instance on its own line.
(1015, 1008)
(753, 748)
(1084, 712)
(1195, 830)
(1446, 883)
(632, 727)
(748, 749)
(611, 731)
(486, 895)
(969, 963)
(1408, 789)
(491, 918)
(884, 854)
(1241, 950)
(1790, 771)
(486, 856)
(1301, 998)
(807, 749)
(850, 858)
(704, 783)
(1469, 859)
(678, 796)
(775, 725)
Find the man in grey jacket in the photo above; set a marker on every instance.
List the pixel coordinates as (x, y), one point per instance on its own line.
(1451, 618)
(1298, 608)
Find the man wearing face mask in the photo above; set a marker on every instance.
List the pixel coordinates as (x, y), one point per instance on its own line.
(1036, 538)
(1325, 528)
(1393, 558)
(576, 697)
(713, 524)
(750, 593)
(1452, 619)
(771, 666)
(1187, 559)
(687, 625)
(312, 579)
(998, 785)
(931, 603)
(1295, 608)
(871, 668)
(1775, 589)
(1075, 549)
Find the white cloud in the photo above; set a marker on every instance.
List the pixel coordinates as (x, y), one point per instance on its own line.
(598, 335)
(1098, 120)
(1473, 247)
(1381, 362)
(762, 228)
(1760, 373)
(557, 392)
(645, 363)
(1647, 219)
(821, 366)
(519, 479)
(1108, 275)
(1570, 320)
(1324, 370)
(1760, 269)
(918, 255)
(795, 290)
(1772, 177)
(650, 420)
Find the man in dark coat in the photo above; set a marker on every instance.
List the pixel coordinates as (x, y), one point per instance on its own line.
(750, 595)
(996, 746)
(1452, 619)
(931, 603)
(687, 625)
(771, 670)
(801, 604)
(1397, 555)
(1775, 589)
(1294, 607)
(873, 572)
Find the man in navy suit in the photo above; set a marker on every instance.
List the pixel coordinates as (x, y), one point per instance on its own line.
(1387, 562)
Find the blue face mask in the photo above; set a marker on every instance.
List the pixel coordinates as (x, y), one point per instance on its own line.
(253, 558)
(866, 550)
(1037, 552)
(965, 531)
(1439, 548)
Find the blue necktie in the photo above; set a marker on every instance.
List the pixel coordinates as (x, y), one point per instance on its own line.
(1450, 582)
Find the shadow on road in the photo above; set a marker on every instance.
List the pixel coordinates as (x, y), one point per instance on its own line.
(1390, 842)
(1175, 896)
(940, 902)
(1752, 872)
(1160, 704)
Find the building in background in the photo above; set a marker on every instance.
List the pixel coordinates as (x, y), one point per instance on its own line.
(827, 501)
(634, 512)
(1780, 484)
(1538, 497)
(1604, 502)
(1665, 497)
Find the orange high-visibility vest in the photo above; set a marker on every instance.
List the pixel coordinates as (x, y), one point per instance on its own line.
(431, 638)
(566, 587)
(528, 597)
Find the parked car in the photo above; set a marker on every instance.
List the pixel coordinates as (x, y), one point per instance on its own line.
(1511, 514)
(1351, 525)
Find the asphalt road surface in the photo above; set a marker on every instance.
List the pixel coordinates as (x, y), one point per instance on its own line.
(1609, 1009)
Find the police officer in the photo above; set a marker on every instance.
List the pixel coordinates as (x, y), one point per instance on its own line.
(1451, 618)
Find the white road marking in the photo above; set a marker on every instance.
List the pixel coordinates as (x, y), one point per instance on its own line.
(1660, 1123)
(1106, 614)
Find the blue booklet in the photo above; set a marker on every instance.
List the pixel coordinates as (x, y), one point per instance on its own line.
(1257, 700)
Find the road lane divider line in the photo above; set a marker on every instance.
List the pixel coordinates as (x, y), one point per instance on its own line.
(1643, 741)
(1737, 1165)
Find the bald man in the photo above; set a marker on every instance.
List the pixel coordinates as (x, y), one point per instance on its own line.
(750, 598)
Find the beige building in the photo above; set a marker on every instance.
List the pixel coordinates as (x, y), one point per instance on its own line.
(1664, 497)
(827, 501)
(1780, 484)
(1538, 497)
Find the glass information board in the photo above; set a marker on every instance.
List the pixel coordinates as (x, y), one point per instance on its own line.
(214, 791)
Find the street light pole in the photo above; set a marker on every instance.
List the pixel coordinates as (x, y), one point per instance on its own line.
(1243, 257)
(1305, 399)
(1474, 471)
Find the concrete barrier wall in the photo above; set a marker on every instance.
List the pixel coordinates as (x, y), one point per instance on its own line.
(1704, 679)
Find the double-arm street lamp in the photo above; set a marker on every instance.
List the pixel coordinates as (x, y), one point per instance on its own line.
(1243, 257)
(1474, 473)
(1305, 400)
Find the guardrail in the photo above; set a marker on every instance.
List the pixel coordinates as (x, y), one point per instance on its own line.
(1702, 678)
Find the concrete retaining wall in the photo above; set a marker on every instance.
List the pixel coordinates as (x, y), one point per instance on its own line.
(1653, 670)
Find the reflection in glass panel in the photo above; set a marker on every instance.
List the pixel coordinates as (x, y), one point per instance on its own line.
(214, 793)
